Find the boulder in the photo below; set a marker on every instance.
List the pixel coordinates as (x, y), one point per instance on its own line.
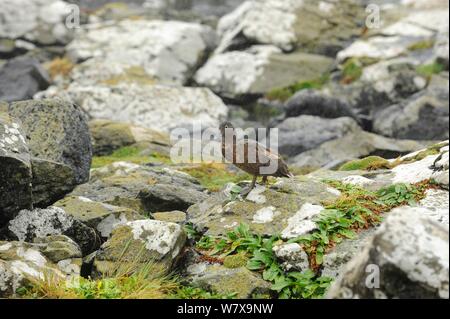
(15, 169)
(336, 152)
(305, 132)
(291, 25)
(292, 257)
(57, 131)
(142, 188)
(107, 136)
(287, 207)
(141, 242)
(158, 107)
(22, 264)
(423, 116)
(38, 223)
(168, 51)
(239, 282)
(99, 216)
(406, 258)
(44, 21)
(175, 216)
(21, 78)
(258, 70)
(58, 248)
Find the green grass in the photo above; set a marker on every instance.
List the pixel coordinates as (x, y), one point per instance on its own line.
(128, 154)
(421, 45)
(215, 175)
(367, 163)
(427, 70)
(283, 94)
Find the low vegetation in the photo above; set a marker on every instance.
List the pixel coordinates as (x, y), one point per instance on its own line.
(427, 70)
(132, 154)
(283, 94)
(367, 163)
(59, 67)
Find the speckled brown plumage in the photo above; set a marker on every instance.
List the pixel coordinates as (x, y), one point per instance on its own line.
(242, 152)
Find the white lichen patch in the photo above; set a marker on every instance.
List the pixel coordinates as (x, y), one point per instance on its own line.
(256, 195)
(357, 180)
(158, 236)
(31, 255)
(108, 224)
(265, 215)
(41, 222)
(302, 222)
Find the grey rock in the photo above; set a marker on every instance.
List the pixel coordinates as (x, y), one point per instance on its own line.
(21, 78)
(58, 247)
(406, 258)
(57, 131)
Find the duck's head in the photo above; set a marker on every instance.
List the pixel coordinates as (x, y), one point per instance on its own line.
(224, 126)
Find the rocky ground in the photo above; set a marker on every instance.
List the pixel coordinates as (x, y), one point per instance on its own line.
(91, 205)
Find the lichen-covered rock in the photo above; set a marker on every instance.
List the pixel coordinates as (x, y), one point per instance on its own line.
(51, 181)
(58, 247)
(56, 131)
(15, 169)
(21, 78)
(292, 257)
(160, 107)
(43, 22)
(142, 188)
(141, 242)
(100, 216)
(305, 132)
(38, 223)
(281, 208)
(408, 257)
(108, 136)
(175, 216)
(336, 152)
(258, 70)
(240, 282)
(291, 24)
(20, 264)
(168, 51)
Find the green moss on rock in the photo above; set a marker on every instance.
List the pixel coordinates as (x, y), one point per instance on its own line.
(367, 163)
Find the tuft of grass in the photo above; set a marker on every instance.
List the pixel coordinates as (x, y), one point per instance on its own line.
(352, 70)
(427, 70)
(213, 176)
(59, 67)
(134, 74)
(129, 154)
(283, 94)
(367, 163)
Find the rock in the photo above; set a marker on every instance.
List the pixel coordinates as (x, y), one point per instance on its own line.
(21, 78)
(240, 282)
(259, 70)
(142, 188)
(441, 49)
(396, 39)
(407, 258)
(15, 169)
(302, 222)
(108, 136)
(56, 131)
(99, 216)
(312, 102)
(168, 51)
(37, 223)
(436, 205)
(142, 242)
(58, 247)
(161, 108)
(51, 181)
(172, 217)
(44, 21)
(21, 264)
(291, 25)
(336, 152)
(282, 208)
(292, 257)
(424, 116)
(305, 132)
(335, 260)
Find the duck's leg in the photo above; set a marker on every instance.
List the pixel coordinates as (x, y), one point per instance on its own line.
(245, 192)
(265, 180)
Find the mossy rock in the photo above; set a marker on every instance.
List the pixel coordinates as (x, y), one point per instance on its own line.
(235, 261)
(367, 163)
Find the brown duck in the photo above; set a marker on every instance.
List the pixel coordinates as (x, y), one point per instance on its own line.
(241, 160)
